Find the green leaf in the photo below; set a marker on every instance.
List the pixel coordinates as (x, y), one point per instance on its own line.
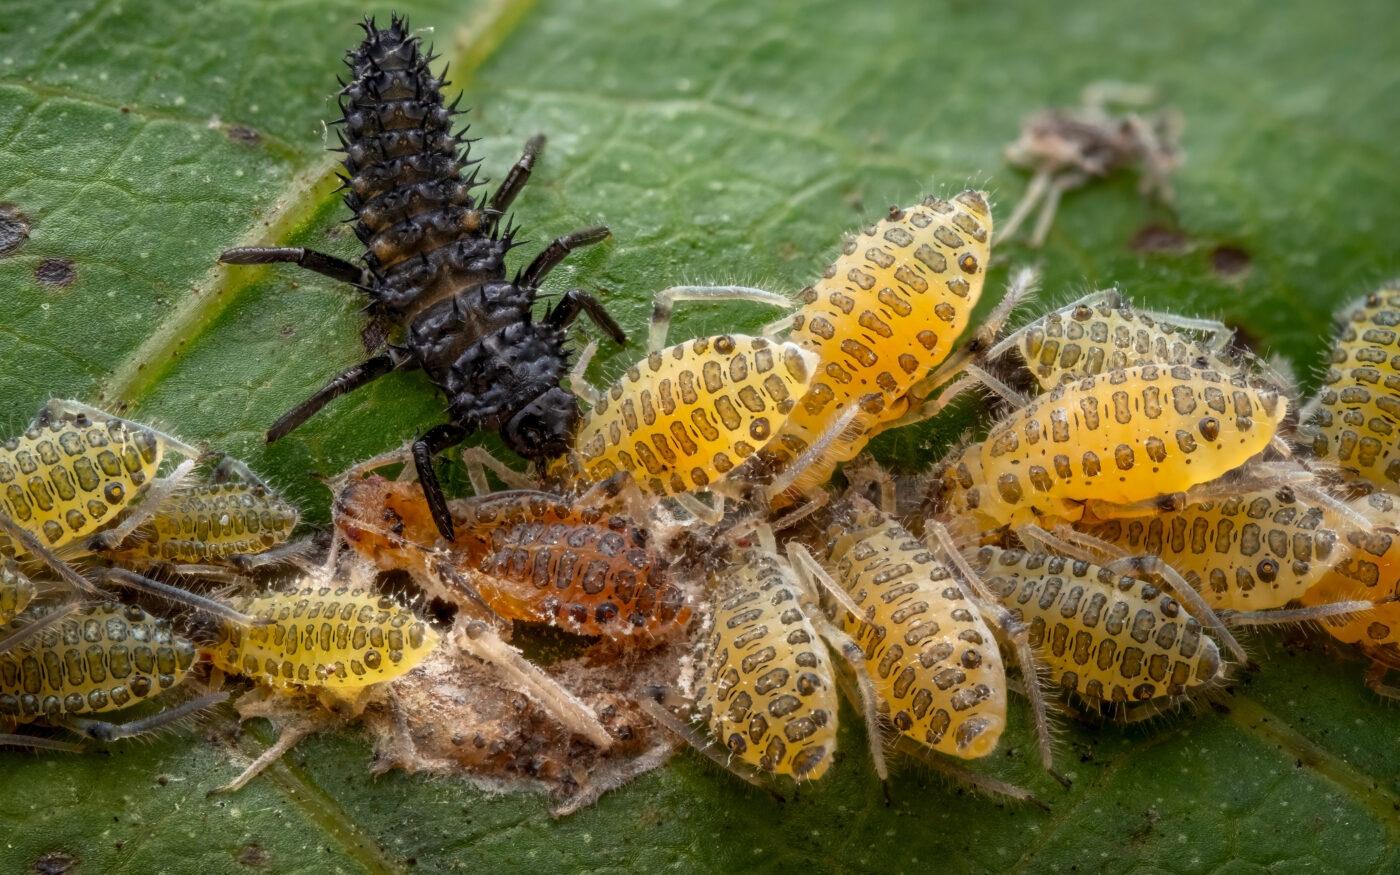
(722, 142)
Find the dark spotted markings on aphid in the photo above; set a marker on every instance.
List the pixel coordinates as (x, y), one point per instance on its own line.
(434, 264)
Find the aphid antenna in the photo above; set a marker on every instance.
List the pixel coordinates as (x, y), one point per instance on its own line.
(664, 303)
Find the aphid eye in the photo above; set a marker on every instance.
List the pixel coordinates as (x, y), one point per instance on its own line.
(968, 263)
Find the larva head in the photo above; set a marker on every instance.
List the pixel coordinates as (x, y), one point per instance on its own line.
(544, 428)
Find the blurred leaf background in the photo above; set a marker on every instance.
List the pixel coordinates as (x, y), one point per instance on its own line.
(723, 141)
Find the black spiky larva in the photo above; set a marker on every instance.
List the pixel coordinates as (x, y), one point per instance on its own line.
(434, 264)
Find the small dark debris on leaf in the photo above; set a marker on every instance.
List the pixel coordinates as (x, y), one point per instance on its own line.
(1159, 238)
(14, 229)
(1229, 261)
(245, 135)
(54, 863)
(1220, 707)
(56, 273)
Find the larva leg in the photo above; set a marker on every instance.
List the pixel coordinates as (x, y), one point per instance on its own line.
(665, 303)
(576, 301)
(317, 262)
(514, 180)
(549, 258)
(348, 381)
(933, 760)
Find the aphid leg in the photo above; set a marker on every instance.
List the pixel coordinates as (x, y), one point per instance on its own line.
(678, 727)
(479, 461)
(353, 378)
(1375, 679)
(207, 572)
(707, 514)
(1219, 331)
(286, 740)
(1067, 181)
(1011, 395)
(665, 302)
(434, 441)
(288, 552)
(1351, 517)
(29, 630)
(131, 580)
(1282, 616)
(928, 408)
(815, 580)
(578, 383)
(38, 742)
(1015, 631)
(576, 301)
(1040, 184)
(843, 429)
(549, 258)
(868, 698)
(612, 774)
(319, 262)
(514, 181)
(104, 732)
(1068, 541)
(162, 489)
(1182, 591)
(932, 759)
(816, 500)
(479, 640)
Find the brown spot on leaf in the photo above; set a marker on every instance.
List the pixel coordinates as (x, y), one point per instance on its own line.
(1229, 261)
(245, 135)
(56, 273)
(254, 856)
(14, 229)
(54, 863)
(1159, 238)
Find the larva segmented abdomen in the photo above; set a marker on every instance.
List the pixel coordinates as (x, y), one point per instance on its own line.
(1109, 638)
(764, 685)
(1358, 416)
(65, 480)
(686, 416)
(1254, 551)
(935, 664)
(211, 522)
(590, 579)
(101, 658)
(886, 313)
(336, 639)
(1120, 437)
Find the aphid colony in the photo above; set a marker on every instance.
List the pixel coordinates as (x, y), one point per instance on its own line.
(1109, 532)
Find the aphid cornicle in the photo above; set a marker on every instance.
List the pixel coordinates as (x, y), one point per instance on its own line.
(1121, 437)
(1112, 640)
(1357, 425)
(435, 265)
(336, 639)
(764, 683)
(528, 555)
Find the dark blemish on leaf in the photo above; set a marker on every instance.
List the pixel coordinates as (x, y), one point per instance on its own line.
(14, 229)
(1220, 707)
(56, 273)
(1159, 238)
(245, 135)
(54, 863)
(254, 856)
(1229, 261)
(288, 330)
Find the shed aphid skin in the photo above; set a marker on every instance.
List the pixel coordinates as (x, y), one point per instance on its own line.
(528, 555)
(434, 264)
(1357, 422)
(16, 590)
(688, 415)
(764, 684)
(1091, 449)
(883, 315)
(1103, 332)
(1066, 148)
(97, 660)
(1114, 642)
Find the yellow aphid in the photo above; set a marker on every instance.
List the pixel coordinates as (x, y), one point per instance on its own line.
(1120, 437)
(16, 590)
(687, 415)
(329, 638)
(208, 523)
(71, 472)
(883, 315)
(1102, 332)
(934, 663)
(1249, 552)
(1357, 424)
(100, 658)
(1112, 640)
(764, 685)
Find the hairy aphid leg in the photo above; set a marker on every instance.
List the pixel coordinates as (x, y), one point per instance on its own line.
(664, 304)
